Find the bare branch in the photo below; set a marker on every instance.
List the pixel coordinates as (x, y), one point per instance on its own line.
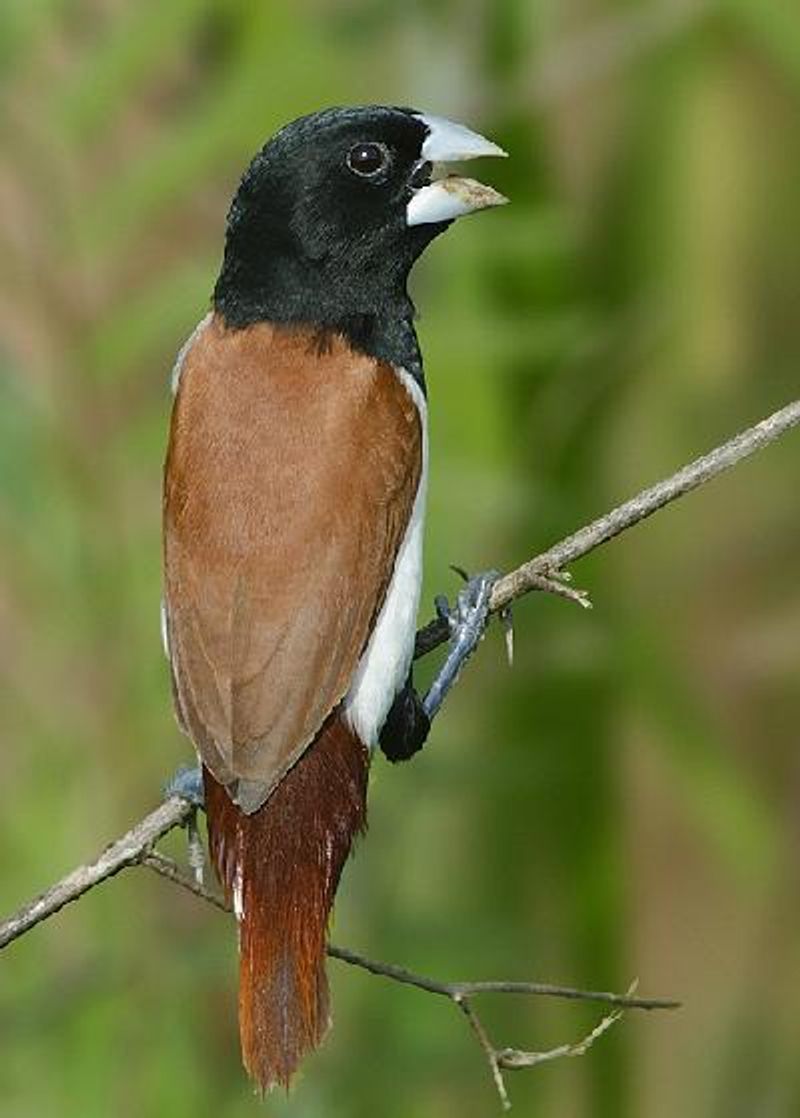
(514, 1059)
(165, 867)
(489, 1050)
(126, 851)
(456, 991)
(551, 563)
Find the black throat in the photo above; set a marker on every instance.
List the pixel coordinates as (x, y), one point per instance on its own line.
(375, 317)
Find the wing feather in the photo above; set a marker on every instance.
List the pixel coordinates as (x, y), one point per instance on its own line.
(291, 475)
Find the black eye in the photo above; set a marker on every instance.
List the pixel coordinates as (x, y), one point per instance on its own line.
(368, 160)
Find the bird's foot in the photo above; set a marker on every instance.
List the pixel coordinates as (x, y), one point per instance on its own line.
(187, 784)
(467, 623)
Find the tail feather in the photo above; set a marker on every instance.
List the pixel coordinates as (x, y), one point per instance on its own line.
(279, 868)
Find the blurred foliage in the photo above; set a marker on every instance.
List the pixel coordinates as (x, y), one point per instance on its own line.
(627, 800)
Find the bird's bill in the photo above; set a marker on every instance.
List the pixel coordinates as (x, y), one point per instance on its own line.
(448, 142)
(451, 197)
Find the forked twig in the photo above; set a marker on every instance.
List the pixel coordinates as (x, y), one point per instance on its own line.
(462, 993)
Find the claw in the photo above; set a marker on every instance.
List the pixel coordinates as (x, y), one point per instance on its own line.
(442, 607)
(473, 600)
(467, 626)
(187, 783)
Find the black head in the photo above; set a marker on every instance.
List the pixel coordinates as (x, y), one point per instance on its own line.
(333, 212)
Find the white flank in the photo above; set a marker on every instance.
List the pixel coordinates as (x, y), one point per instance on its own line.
(384, 664)
(177, 368)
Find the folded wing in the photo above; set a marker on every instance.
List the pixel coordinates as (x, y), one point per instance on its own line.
(293, 465)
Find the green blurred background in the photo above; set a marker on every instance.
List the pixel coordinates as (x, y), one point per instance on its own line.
(626, 801)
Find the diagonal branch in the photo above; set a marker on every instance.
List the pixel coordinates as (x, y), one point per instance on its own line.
(552, 562)
(126, 851)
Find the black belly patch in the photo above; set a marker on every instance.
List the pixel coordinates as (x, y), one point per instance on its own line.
(406, 727)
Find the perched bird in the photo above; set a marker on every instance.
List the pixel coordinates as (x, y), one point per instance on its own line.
(294, 498)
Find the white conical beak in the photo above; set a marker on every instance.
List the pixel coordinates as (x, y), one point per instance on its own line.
(448, 142)
(451, 197)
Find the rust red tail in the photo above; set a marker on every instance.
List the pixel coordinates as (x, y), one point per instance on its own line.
(280, 868)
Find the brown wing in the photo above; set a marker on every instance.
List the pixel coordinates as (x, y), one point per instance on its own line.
(292, 468)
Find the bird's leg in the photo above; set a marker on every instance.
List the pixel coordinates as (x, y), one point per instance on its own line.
(187, 783)
(409, 720)
(467, 625)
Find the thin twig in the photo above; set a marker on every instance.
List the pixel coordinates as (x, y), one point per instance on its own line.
(489, 1050)
(554, 583)
(165, 867)
(456, 991)
(515, 1059)
(552, 562)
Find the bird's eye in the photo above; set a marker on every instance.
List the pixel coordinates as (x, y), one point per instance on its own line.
(368, 160)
